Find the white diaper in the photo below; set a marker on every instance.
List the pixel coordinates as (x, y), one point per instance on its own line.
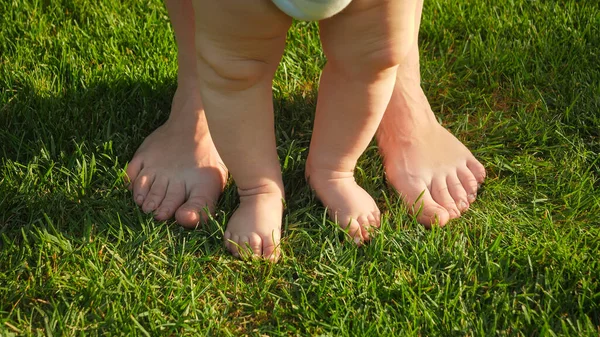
(311, 10)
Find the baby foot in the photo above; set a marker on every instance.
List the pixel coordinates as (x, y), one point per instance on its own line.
(254, 229)
(436, 175)
(177, 170)
(347, 203)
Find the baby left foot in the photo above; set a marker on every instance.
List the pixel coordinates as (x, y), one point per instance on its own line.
(347, 203)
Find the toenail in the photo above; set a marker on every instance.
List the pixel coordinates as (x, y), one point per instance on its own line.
(462, 205)
(139, 199)
(472, 197)
(151, 205)
(357, 240)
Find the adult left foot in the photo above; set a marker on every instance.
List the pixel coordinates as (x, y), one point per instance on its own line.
(436, 175)
(177, 170)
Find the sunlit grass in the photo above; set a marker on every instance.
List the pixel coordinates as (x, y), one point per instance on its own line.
(82, 83)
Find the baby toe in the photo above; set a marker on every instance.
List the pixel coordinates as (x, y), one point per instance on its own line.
(244, 250)
(355, 231)
(234, 245)
(227, 240)
(256, 244)
(365, 226)
(376, 215)
(270, 249)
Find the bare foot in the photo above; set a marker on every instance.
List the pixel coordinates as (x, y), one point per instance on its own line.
(434, 172)
(347, 203)
(254, 230)
(177, 170)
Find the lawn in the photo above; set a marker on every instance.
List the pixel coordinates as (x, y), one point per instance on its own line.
(82, 83)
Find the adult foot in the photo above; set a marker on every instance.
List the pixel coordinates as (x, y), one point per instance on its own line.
(347, 203)
(437, 176)
(177, 170)
(254, 229)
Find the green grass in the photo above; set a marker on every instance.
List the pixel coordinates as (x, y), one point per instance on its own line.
(82, 83)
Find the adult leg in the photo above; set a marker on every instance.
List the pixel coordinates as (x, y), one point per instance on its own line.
(177, 170)
(434, 172)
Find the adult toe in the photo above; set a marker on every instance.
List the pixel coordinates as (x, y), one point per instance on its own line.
(422, 205)
(133, 169)
(156, 194)
(142, 186)
(469, 183)
(458, 193)
(174, 198)
(196, 209)
(441, 195)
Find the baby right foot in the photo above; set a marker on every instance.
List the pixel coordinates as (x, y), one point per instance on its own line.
(254, 229)
(347, 203)
(177, 170)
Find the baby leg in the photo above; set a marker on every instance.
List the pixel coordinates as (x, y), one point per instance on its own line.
(239, 45)
(363, 51)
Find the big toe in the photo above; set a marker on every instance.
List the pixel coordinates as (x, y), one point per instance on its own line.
(270, 249)
(427, 211)
(353, 228)
(433, 214)
(196, 210)
(200, 204)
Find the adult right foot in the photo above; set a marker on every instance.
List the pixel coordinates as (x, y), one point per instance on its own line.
(177, 169)
(436, 175)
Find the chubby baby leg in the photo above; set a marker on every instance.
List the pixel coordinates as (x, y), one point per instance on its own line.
(239, 45)
(363, 51)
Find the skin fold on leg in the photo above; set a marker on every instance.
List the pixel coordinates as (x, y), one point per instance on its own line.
(238, 47)
(435, 174)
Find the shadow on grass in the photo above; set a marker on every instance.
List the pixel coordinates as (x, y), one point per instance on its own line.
(64, 155)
